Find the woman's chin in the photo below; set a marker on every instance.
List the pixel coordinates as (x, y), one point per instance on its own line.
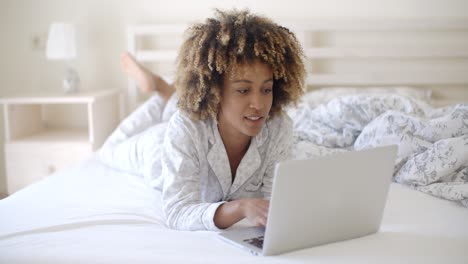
(252, 131)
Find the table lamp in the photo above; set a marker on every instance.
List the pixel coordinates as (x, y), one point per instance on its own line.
(61, 46)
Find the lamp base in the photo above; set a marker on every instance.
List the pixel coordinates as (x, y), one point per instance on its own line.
(71, 81)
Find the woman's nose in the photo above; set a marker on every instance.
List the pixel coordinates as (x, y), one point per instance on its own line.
(256, 102)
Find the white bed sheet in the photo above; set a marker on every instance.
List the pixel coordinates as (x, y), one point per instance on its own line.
(95, 214)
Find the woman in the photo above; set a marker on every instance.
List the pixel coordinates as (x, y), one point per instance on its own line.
(234, 75)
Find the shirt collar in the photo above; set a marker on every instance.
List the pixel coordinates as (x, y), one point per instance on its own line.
(260, 138)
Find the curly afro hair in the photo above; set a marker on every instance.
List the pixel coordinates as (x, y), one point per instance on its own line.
(228, 41)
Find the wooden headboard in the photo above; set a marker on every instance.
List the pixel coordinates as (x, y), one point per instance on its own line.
(427, 54)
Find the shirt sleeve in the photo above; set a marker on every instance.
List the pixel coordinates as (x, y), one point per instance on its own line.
(181, 194)
(281, 145)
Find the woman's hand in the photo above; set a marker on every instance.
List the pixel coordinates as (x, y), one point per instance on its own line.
(254, 209)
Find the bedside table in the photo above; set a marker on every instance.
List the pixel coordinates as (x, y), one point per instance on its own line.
(49, 131)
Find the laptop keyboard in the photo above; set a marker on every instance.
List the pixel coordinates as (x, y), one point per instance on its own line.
(256, 241)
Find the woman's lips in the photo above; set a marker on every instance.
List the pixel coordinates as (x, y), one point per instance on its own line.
(254, 119)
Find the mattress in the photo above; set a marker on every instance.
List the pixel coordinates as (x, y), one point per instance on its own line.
(91, 213)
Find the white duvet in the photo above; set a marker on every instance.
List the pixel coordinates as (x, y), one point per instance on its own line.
(433, 142)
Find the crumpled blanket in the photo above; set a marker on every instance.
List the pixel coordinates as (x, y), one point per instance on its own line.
(433, 142)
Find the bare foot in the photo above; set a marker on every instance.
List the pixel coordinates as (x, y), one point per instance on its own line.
(134, 70)
(146, 80)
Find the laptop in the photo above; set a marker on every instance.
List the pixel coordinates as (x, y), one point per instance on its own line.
(321, 200)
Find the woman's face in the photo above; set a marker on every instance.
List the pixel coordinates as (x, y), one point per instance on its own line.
(246, 100)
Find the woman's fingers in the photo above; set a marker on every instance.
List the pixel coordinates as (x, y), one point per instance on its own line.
(257, 212)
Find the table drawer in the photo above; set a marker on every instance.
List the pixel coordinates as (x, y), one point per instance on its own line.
(26, 164)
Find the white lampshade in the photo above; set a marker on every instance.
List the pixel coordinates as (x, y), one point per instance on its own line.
(61, 42)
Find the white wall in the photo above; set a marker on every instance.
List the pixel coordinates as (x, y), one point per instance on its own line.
(101, 31)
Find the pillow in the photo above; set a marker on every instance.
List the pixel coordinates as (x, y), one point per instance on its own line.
(314, 98)
(324, 95)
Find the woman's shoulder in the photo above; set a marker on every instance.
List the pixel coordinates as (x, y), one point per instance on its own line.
(280, 122)
(279, 128)
(183, 122)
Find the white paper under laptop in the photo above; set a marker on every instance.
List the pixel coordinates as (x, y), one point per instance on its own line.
(322, 200)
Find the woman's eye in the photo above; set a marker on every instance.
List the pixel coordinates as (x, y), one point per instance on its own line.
(267, 90)
(242, 91)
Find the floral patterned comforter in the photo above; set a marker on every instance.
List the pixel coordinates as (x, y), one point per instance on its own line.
(433, 142)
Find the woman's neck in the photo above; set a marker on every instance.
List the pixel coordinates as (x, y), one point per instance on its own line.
(235, 143)
(236, 146)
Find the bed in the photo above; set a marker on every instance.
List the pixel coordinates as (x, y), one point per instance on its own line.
(92, 213)
(99, 215)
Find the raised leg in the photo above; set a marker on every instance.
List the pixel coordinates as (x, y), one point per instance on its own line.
(146, 80)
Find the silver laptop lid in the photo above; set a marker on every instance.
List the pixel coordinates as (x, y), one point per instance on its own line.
(328, 199)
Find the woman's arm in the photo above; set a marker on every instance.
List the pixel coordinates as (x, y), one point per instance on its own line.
(254, 209)
(183, 205)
